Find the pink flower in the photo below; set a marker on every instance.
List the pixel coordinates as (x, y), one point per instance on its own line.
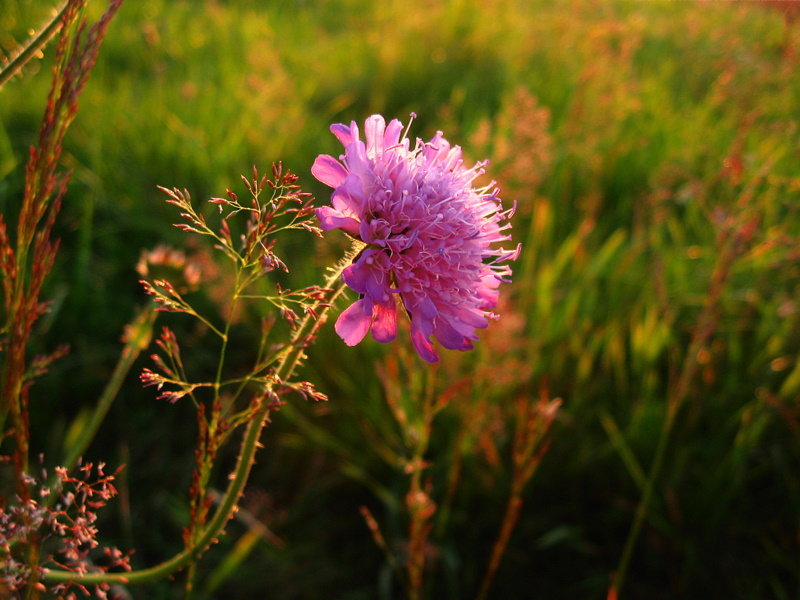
(430, 236)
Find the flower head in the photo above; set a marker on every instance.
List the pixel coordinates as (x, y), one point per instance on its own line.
(165, 263)
(430, 236)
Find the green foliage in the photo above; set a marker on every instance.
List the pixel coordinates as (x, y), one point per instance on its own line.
(644, 142)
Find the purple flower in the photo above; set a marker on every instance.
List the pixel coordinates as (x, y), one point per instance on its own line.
(429, 236)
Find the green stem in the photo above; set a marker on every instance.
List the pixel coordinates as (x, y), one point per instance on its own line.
(199, 512)
(226, 334)
(644, 502)
(190, 575)
(34, 45)
(240, 475)
(419, 515)
(706, 324)
(702, 334)
(138, 339)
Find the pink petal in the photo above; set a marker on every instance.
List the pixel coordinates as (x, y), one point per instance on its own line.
(358, 163)
(350, 195)
(467, 319)
(392, 135)
(342, 133)
(354, 131)
(356, 274)
(373, 130)
(333, 219)
(487, 292)
(348, 208)
(447, 336)
(354, 322)
(422, 344)
(427, 309)
(377, 285)
(384, 327)
(436, 148)
(329, 170)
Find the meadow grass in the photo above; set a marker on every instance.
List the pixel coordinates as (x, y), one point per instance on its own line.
(652, 148)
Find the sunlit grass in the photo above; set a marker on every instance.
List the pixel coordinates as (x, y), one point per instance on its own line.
(639, 139)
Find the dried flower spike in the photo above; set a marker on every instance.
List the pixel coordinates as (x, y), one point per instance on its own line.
(430, 236)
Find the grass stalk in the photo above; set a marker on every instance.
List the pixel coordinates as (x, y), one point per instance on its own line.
(199, 510)
(240, 475)
(531, 425)
(643, 506)
(731, 242)
(137, 339)
(34, 45)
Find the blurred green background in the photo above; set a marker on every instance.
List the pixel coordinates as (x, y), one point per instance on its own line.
(653, 150)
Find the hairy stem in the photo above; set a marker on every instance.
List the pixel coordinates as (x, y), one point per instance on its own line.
(34, 45)
(239, 477)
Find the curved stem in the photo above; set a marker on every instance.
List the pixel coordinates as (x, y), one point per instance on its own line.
(644, 502)
(245, 461)
(140, 332)
(34, 45)
(706, 324)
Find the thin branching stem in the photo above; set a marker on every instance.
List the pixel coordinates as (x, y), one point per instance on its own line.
(238, 480)
(211, 431)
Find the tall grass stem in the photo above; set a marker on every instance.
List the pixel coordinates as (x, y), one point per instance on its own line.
(36, 42)
(137, 340)
(730, 242)
(250, 445)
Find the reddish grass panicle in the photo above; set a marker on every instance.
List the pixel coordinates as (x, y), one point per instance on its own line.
(59, 516)
(27, 254)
